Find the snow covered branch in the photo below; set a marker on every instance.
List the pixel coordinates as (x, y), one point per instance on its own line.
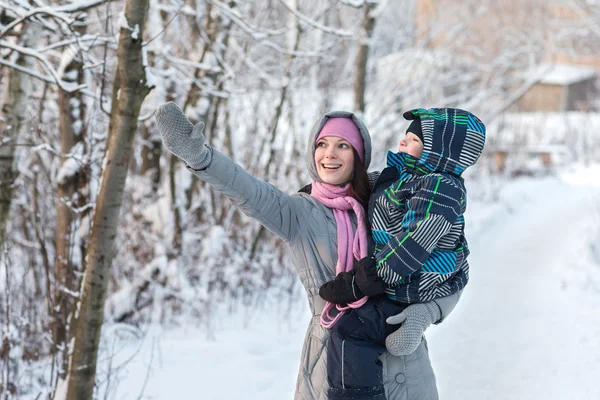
(315, 24)
(80, 6)
(255, 32)
(66, 86)
(353, 3)
(48, 79)
(42, 10)
(262, 74)
(211, 69)
(94, 39)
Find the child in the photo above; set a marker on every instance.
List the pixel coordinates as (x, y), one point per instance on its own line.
(416, 213)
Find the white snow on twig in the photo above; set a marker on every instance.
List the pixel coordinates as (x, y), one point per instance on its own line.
(67, 170)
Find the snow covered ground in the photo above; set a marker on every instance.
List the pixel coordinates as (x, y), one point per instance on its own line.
(527, 326)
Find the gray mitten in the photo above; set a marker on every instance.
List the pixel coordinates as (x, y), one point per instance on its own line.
(415, 319)
(182, 138)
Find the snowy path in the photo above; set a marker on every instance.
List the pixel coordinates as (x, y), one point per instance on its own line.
(524, 329)
(521, 331)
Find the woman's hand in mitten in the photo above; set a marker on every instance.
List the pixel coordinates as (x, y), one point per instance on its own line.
(341, 290)
(181, 138)
(367, 279)
(414, 320)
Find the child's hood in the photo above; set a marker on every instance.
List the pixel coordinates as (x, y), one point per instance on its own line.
(453, 139)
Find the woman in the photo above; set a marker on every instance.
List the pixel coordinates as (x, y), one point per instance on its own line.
(309, 228)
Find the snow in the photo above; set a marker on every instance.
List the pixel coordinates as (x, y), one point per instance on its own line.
(157, 214)
(150, 78)
(185, 364)
(566, 136)
(124, 300)
(135, 33)
(65, 59)
(122, 22)
(564, 74)
(69, 168)
(61, 389)
(526, 327)
(214, 241)
(544, 128)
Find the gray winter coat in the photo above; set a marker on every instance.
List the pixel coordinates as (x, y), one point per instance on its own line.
(309, 229)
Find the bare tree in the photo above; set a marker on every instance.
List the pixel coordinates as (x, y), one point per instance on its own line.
(215, 37)
(130, 88)
(362, 57)
(259, 74)
(71, 181)
(17, 92)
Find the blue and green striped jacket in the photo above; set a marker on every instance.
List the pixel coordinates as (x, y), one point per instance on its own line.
(417, 209)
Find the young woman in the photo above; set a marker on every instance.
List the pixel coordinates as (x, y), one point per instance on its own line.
(325, 230)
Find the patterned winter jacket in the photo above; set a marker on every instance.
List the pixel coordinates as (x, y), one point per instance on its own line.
(417, 207)
(309, 229)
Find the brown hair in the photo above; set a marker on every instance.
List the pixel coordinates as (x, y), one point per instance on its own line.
(360, 188)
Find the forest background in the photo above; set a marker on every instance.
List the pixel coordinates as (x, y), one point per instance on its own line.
(100, 226)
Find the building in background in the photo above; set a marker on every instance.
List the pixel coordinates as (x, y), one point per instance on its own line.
(561, 38)
(562, 87)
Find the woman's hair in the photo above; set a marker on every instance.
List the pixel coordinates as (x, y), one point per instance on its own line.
(360, 188)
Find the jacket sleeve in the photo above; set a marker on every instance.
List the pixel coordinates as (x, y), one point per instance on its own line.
(447, 304)
(277, 211)
(435, 205)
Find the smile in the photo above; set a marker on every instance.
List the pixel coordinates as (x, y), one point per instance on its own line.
(330, 166)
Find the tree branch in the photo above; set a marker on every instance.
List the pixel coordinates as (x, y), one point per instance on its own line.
(77, 6)
(314, 24)
(263, 75)
(253, 31)
(44, 10)
(28, 52)
(82, 39)
(353, 3)
(513, 98)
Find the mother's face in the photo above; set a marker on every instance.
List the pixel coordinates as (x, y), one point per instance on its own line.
(334, 158)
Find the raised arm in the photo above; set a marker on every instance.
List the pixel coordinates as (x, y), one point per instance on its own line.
(432, 209)
(277, 211)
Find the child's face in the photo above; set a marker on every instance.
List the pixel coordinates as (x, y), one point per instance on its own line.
(411, 144)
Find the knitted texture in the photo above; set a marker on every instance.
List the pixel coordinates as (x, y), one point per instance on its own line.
(346, 129)
(182, 138)
(415, 319)
(336, 198)
(415, 127)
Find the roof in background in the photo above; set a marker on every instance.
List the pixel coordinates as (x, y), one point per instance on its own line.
(564, 74)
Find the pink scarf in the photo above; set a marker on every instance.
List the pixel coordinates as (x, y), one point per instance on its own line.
(336, 198)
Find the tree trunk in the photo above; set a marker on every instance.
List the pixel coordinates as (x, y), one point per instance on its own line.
(129, 91)
(364, 41)
(17, 93)
(150, 156)
(72, 132)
